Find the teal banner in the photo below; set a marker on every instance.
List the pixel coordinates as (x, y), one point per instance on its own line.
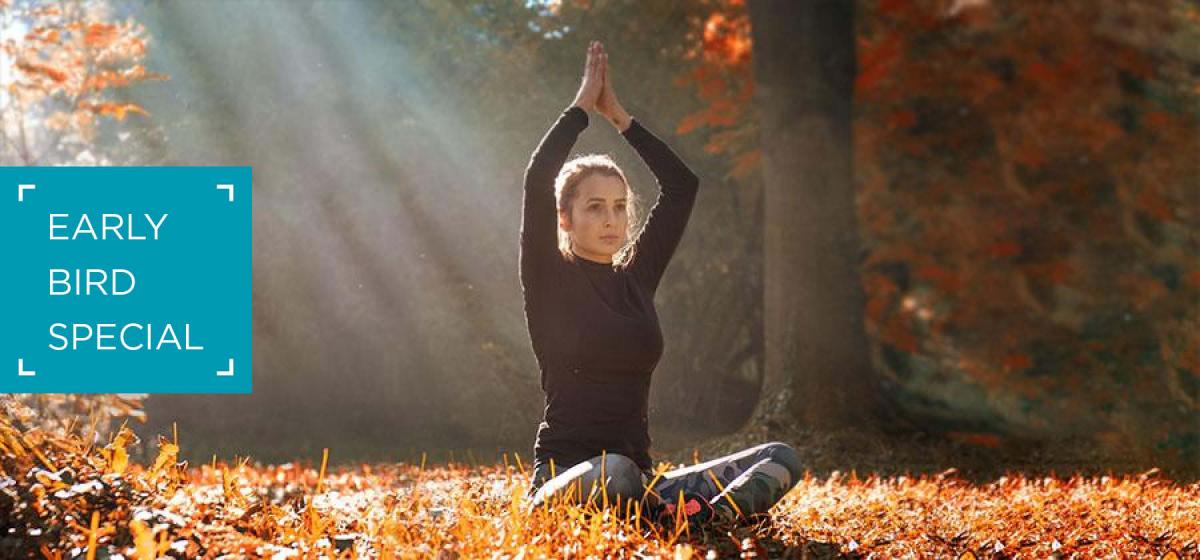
(126, 280)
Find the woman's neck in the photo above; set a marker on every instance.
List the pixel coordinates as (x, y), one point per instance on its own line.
(591, 260)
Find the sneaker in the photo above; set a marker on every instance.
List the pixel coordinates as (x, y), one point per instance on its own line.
(724, 515)
(697, 510)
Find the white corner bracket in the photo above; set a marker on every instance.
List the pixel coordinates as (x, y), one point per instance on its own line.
(21, 369)
(21, 191)
(227, 188)
(226, 372)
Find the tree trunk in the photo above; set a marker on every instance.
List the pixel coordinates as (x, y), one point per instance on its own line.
(818, 370)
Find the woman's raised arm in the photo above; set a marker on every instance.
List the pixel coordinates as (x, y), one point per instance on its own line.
(668, 218)
(540, 258)
(677, 188)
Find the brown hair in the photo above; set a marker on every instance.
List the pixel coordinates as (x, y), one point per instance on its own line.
(566, 189)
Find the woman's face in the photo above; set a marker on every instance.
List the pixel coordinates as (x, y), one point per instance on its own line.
(598, 221)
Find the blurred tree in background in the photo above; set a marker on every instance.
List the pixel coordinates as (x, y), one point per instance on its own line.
(63, 66)
(1034, 265)
(63, 63)
(1027, 192)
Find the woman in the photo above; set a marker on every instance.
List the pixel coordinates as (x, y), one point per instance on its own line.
(589, 307)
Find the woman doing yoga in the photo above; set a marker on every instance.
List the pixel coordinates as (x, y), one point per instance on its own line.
(589, 307)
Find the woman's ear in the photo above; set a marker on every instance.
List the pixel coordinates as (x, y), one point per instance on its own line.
(564, 220)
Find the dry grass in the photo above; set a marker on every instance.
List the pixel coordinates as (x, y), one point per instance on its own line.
(61, 498)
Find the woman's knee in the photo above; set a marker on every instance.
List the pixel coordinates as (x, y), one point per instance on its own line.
(610, 474)
(622, 477)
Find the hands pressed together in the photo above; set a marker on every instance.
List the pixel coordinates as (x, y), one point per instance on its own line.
(596, 90)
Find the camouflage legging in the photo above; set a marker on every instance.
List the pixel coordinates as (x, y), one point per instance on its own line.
(754, 479)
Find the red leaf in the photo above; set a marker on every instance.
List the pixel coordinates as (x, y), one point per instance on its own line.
(902, 119)
(1002, 249)
(875, 61)
(1017, 361)
(1041, 73)
(892, 6)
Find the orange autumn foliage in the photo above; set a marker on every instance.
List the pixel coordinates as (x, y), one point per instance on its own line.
(63, 70)
(65, 497)
(1055, 139)
(1026, 196)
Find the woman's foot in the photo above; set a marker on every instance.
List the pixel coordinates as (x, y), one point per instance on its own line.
(696, 511)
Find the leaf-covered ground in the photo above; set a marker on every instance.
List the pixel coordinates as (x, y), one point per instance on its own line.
(62, 498)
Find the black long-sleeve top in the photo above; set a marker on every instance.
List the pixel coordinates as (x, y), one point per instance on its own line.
(593, 325)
